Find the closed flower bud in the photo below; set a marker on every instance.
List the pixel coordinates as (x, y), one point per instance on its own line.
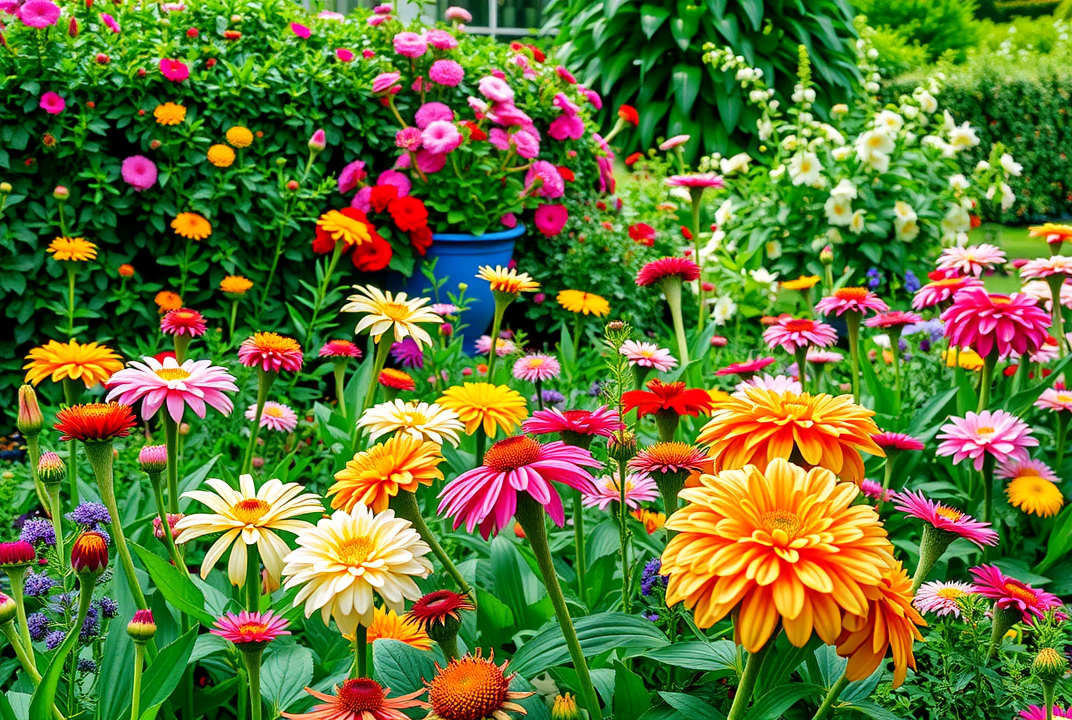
(29, 421)
(103, 59)
(462, 287)
(155, 144)
(8, 609)
(565, 708)
(16, 554)
(1050, 665)
(5, 188)
(61, 192)
(153, 458)
(51, 468)
(89, 554)
(142, 627)
(446, 329)
(318, 142)
(624, 448)
(826, 257)
(292, 185)
(72, 28)
(141, 72)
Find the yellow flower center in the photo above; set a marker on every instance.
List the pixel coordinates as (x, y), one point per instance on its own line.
(170, 374)
(412, 419)
(355, 551)
(535, 362)
(273, 411)
(783, 520)
(851, 293)
(250, 510)
(951, 593)
(949, 513)
(251, 629)
(984, 431)
(395, 311)
(1064, 398)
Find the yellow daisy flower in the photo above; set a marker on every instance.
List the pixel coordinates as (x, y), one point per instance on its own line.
(342, 227)
(72, 249)
(221, 156)
(487, 405)
(577, 301)
(967, 358)
(1035, 495)
(169, 113)
(235, 285)
(373, 477)
(804, 282)
(91, 363)
(507, 280)
(389, 625)
(191, 226)
(384, 312)
(239, 136)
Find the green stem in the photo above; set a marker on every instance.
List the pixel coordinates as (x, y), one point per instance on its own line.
(265, 378)
(852, 320)
(501, 303)
(831, 698)
(12, 636)
(988, 488)
(578, 328)
(17, 575)
(406, 507)
(161, 511)
(340, 385)
(360, 668)
(271, 271)
(383, 347)
(989, 362)
(696, 194)
(530, 514)
(56, 508)
(70, 394)
(885, 482)
(252, 657)
(579, 542)
(449, 646)
(182, 344)
(1056, 282)
(801, 356)
(672, 290)
(171, 442)
(623, 538)
(538, 384)
(895, 349)
(230, 328)
(1001, 621)
(1062, 436)
(670, 485)
(481, 443)
(33, 457)
(1048, 698)
(253, 577)
(739, 709)
(139, 660)
(322, 291)
(70, 301)
(932, 546)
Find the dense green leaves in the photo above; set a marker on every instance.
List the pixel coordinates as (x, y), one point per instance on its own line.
(597, 634)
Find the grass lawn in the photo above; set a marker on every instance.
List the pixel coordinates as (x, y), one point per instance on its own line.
(1016, 244)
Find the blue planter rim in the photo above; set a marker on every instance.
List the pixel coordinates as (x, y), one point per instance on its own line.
(511, 234)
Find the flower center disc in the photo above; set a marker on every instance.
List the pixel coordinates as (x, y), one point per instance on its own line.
(949, 513)
(273, 412)
(361, 695)
(250, 510)
(469, 689)
(510, 454)
(800, 326)
(951, 593)
(354, 551)
(395, 311)
(783, 520)
(852, 293)
(1020, 592)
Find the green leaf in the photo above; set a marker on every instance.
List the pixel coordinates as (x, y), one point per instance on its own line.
(686, 82)
(691, 707)
(163, 676)
(177, 588)
(597, 634)
(630, 696)
(1060, 542)
(284, 676)
(45, 695)
(871, 710)
(719, 656)
(775, 702)
(402, 667)
(651, 19)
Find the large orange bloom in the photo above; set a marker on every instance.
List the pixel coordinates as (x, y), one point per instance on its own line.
(890, 621)
(373, 477)
(782, 545)
(757, 425)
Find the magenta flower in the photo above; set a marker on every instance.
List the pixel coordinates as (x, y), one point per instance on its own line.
(509, 115)
(276, 417)
(174, 70)
(39, 13)
(893, 442)
(939, 291)
(446, 72)
(874, 490)
(1007, 592)
(526, 142)
(487, 495)
(194, 384)
(656, 270)
(566, 127)
(351, 175)
(458, 15)
(441, 39)
(989, 323)
(1026, 468)
(110, 22)
(568, 77)
(377, 20)
(301, 30)
(971, 260)
(941, 598)
(270, 352)
(1035, 712)
(851, 299)
(550, 219)
(639, 487)
(602, 421)
(537, 367)
(410, 44)
(430, 112)
(52, 103)
(408, 138)
(695, 180)
(997, 433)
(400, 181)
(551, 185)
(593, 98)
(247, 627)
(183, 322)
(383, 9)
(673, 142)
(139, 172)
(318, 141)
(385, 82)
(344, 55)
(746, 368)
(340, 348)
(408, 353)
(945, 518)
(893, 319)
(495, 90)
(799, 333)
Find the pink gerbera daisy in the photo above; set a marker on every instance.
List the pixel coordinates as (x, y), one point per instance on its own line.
(997, 433)
(195, 383)
(988, 322)
(874, 490)
(444, 309)
(276, 416)
(945, 518)
(340, 348)
(486, 496)
(250, 627)
(638, 488)
(537, 368)
(823, 357)
(941, 598)
(648, 355)
(1043, 268)
(798, 333)
(896, 442)
(745, 369)
(972, 260)
(893, 319)
(776, 383)
(1039, 713)
(695, 180)
(1010, 593)
(851, 299)
(271, 352)
(1026, 468)
(574, 424)
(1059, 400)
(183, 322)
(503, 346)
(941, 290)
(656, 270)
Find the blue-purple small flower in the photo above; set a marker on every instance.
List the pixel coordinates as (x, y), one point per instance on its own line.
(654, 617)
(87, 666)
(37, 531)
(650, 576)
(874, 278)
(551, 397)
(90, 626)
(54, 639)
(109, 608)
(911, 282)
(89, 514)
(38, 624)
(38, 585)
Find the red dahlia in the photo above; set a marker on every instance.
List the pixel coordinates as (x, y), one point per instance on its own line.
(382, 196)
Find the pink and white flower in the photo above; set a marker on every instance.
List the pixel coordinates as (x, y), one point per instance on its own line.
(941, 598)
(988, 322)
(799, 333)
(648, 355)
(945, 518)
(276, 417)
(997, 433)
(537, 367)
(639, 487)
(971, 260)
(195, 383)
(776, 383)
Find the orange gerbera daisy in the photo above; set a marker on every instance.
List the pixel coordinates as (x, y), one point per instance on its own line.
(757, 425)
(191, 226)
(373, 477)
(782, 545)
(91, 363)
(890, 621)
(1052, 232)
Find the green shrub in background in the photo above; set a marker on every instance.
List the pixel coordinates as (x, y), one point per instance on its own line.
(1006, 10)
(897, 54)
(649, 55)
(1042, 35)
(939, 25)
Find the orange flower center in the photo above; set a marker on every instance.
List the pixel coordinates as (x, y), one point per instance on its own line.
(535, 362)
(360, 695)
(851, 293)
(273, 411)
(1020, 592)
(251, 629)
(512, 453)
(783, 520)
(355, 551)
(468, 689)
(250, 510)
(951, 593)
(395, 311)
(984, 431)
(1064, 398)
(679, 454)
(949, 513)
(273, 342)
(170, 374)
(800, 325)
(948, 282)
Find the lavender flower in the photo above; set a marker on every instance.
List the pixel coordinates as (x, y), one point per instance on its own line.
(650, 577)
(911, 282)
(38, 624)
(551, 397)
(54, 639)
(874, 278)
(87, 666)
(38, 531)
(109, 608)
(88, 514)
(90, 626)
(654, 617)
(38, 585)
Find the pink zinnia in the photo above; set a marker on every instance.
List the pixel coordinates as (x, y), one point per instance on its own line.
(301, 30)
(551, 185)
(988, 322)
(656, 270)
(550, 219)
(139, 172)
(668, 457)
(441, 137)
(183, 322)
(487, 495)
(431, 111)
(1059, 400)
(441, 39)
(410, 44)
(270, 352)
(939, 291)
(851, 299)
(194, 384)
(250, 627)
(874, 490)
(893, 319)
(495, 89)
(39, 13)
(945, 518)
(446, 72)
(408, 138)
(537, 368)
(1039, 713)
(896, 442)
(639, 487)
(344, 55)
(174, 70)
(602, 421)
(971, 260)
(52, 103)
(746, 368)
(997, 433)
(275, 416)
(1045, 267)
(340, 348)
(458, 14)
(799, 333)
(1026, 468)
(1007, 592)
(941, 598)
(352, 174)
(648, 355)
(695, 180)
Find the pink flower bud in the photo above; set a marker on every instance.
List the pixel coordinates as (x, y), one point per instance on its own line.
(318, 141)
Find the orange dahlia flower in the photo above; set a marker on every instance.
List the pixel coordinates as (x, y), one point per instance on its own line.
(782, 545)
(758, 425)
(373, 477)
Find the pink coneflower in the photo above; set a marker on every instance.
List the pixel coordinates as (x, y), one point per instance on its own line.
(777, 383)
(503, 346)
(941, 598)
(1059, 400)
(52, 103)
(988, 322)
(537, 368)
(997, 433)
(851, 299)
(656, 270)
(934, 293)
(823, 357)
(896, 442)
(1010, 593)
(270, 352)
(39, 13)
(648, 355)
(174, 70)
(340, 348)
(444, 309)
(487, 495)
(947, 519)
(250, 627)
(300, 30)
(972, 260)
(745, 369)
(602, 421)
(799, 333)
(276, 417)
(139, 172)
(638, 488)
(183, 322)
(195, 383)
(695, 180)
(893, 319)
(1043, 268)
(875, 491)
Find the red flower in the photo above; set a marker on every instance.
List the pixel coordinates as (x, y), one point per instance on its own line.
(381, 197)
(323, 243)
(566, 173)
(686, 233)
(19, 552)
(537, 53)
(231, 35)
(475, 133)
(642, 233)
(629, 114)
(95, 422)
(408, 213)
(374, 255)
(421, 239)
(89, 554)
(210, 63)
(631, 160)
(667, 396)
(656, 270)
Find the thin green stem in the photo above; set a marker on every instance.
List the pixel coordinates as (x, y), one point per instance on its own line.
(885, 481)
(70, 300)
(234, 315)
(406, 507)
(70, 394)
(360, 668)
(33, 457)
(801, 356)
(672, 290)
(1056, 282)
(852, 320)
(895, 349)
(265, 379)
(383, 347)
(696, 195)
(339, 372)
(502, 302)
(579, 542)
(56, 508)
(1048, 699)
(623, 538)
(12, 635)
(481, 443)
(161, 511)
(1062, 436)
(932, 546)
(271, 271)
(253, 577)
(578, 328)
(322, 291)
(831, 698)
(988, 488)
(743, 695)
(17, 575)
(135, 700)
(252, 657)
(989, 362)
(538, 385)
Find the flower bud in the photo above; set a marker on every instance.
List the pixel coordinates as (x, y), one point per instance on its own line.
(29, 421)
(126, 270)
(155, 144)
(318, 142)
(103, 59)
(1050, 665)
(89, 554)
(5, 188)
(72, 28)
(280, 162)
(8, 609)
(292, 185)
(61, 192)
(142, 627)
(16, 554)
(565, 708)
(462, 287)
(184, 428)
(622, 448)
(172, 519)
(446, 329)
(51, 468)
(153, 458)
(826, 257)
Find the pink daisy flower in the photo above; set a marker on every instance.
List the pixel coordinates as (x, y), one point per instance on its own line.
(195, 383)
(1039, 713)
(1025, 468)
(1007, 592)
(270, 352)
(537, 368)
(39, 13)
(893, 319)
(1059, 400)
(673, 142)
(139, 172)
(656, 270)
(602, 421)
(340, 348)
(934, 293)
(486, 496)
(695, 180)
(503, 346)
(823, 357)
(745, 369)
(988, 322)
(997, 433)
(174, 70)
(444, 309)
(945, 518)
(941, 598)
(648, 355)
(605, 490)
(52, 103)
(896, 442)
(1043, 268)
(873, 490)
(971, 260)
(410, 44)
(183, 322)
(777, 383)
(799, 333)
(247, 627)
(495, 89)
(276, 417)
(851, 299)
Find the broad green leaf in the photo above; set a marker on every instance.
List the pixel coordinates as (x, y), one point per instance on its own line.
(686, 82)
(402, 667)
(652, 17)
(597, 633)
(719, 656)
(775, 702)
(1060, 542)
(284, 676)
(176, 587)
(630, 696)
(163, 675)
(871, 710)
(691, 707)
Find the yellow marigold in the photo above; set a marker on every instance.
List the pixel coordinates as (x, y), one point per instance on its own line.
(578, 301)
(756, 425)
(389, 625)
(72, 249)
(373, 477)
(342, 227)
(166, 300)
(487, 405)
(507, 280)
(235, 285)
(1035, 495)
(221, 155)
(803, 282)
(169, 113)
(781, 545)
(967, 358)
(239, 136)
(91, 363)
(191, 226)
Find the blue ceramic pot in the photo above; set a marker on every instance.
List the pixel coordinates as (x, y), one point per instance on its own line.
(458, 259)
